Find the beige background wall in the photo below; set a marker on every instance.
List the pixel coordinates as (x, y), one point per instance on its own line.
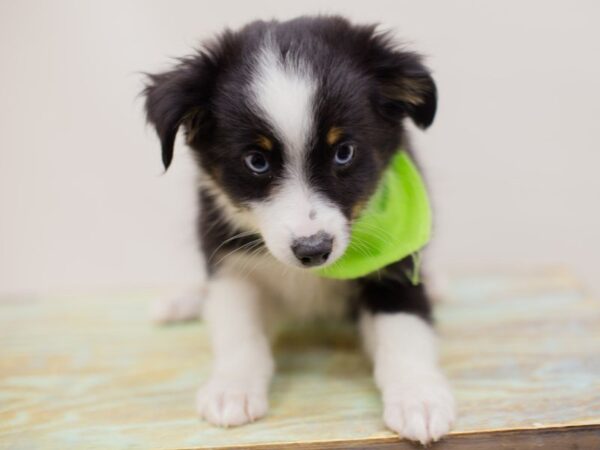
(514, 156)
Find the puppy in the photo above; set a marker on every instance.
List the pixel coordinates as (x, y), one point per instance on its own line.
(293, 125)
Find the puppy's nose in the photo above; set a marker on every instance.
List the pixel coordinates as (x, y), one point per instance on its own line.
(313, 250)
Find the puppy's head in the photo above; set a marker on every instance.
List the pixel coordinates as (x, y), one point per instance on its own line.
(293, 124)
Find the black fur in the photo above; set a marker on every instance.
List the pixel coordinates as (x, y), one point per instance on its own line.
(392, 290)
(217, 237)
(367, 86)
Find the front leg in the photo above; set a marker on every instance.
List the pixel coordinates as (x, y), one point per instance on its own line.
(237, 390)
(417, 400)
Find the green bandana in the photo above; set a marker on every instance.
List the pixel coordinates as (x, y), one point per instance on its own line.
(396, 223)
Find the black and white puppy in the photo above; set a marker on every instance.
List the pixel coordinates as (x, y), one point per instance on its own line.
(292, 124)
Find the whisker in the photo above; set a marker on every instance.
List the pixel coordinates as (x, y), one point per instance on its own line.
(373, 227)
(247, 245)
(236, 236)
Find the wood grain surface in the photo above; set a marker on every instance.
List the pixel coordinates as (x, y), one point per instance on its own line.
(522, 352)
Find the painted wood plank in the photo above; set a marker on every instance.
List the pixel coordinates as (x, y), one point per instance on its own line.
(522, 352)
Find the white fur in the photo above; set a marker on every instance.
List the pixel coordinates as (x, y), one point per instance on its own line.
(283, 90)
(418, 403)
(236, 392)
(291, 292)
(293, 211)
(243, 306)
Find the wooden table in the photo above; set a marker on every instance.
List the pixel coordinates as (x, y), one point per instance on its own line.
(521, 350)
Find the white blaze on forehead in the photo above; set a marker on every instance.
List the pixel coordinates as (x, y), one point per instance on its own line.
(283, 91)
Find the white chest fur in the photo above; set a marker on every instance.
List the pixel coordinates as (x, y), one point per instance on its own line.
(296, 292)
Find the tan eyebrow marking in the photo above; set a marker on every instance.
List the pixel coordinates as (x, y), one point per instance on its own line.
(358, 208)
(333, 135)
(264, 142)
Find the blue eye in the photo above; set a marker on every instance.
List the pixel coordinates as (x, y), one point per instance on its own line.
(344, 154)
(257, 163)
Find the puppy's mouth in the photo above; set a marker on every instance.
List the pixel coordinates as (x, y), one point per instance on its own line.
(312, 251)
(302, 234)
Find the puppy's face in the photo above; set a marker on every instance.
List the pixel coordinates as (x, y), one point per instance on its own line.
(293, 124)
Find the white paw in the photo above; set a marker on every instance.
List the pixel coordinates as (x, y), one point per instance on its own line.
(177, 309)
(422, 410)
(228, 404)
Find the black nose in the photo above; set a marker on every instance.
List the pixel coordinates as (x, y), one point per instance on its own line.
(313, 250)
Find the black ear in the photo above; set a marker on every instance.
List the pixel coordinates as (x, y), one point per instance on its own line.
(405, 84)
(180, 96)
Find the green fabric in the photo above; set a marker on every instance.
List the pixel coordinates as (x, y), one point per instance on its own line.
(396, 223)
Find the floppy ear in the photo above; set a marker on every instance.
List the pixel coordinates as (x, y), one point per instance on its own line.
(178, 97)
(406, 87)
